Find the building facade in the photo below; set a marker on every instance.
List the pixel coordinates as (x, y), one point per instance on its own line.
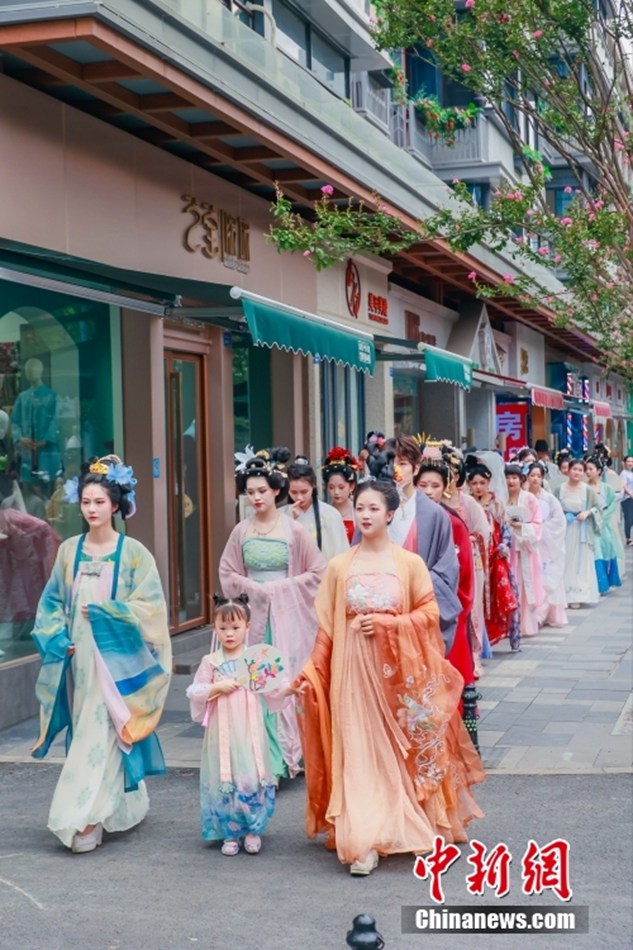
(143, 311)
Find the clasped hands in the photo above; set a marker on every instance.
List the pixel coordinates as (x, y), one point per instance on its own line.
(369, 624)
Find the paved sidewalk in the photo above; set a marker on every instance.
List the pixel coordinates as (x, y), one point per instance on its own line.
(561, 705)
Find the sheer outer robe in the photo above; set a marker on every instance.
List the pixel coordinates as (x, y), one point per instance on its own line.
(139, 609)
(399, 638)
(289, 601)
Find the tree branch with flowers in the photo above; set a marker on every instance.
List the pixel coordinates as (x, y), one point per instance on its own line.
(336, 231)
(556, 73)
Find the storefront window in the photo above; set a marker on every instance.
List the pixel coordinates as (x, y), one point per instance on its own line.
(252, 403)
(342, 407)
(57, 397)
(406, 402)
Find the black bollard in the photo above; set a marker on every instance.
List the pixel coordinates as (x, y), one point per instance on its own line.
(363, 935)
(470, 713)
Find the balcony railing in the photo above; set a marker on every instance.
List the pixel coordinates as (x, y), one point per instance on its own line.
(371, 100)
(480, 145)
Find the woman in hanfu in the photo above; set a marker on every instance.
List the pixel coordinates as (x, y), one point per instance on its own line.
(323, 522)
(101, 630)
(274, 560)
(340, 474)
(389, 763)
(606, 547)
(434, 478)
(551, 548)
(501, 595)
(459, 501)
(523, 514)
(582, 510)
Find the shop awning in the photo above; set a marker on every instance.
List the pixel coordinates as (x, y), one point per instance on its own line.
(498, 381)
(602, 409)
(274, 324)
(547, 398)
(445, 367)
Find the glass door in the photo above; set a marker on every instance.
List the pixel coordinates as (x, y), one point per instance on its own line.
(187, 491)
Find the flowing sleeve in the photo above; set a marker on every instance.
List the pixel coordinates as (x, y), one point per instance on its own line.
(443, 568)
(313, 710)
(50, 631)
(423, 691)
(234, 581)
(51, 636)
(335, 536)
(132, 636)
(611, 502)
(198, 692)
(531, 531)
(594, 509)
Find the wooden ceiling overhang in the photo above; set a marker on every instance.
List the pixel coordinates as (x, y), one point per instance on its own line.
(227, 139)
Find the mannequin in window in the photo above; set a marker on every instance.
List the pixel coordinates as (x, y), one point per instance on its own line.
(34, 428)
(10, 494)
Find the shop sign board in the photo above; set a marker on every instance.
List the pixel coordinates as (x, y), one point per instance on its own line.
(512, 426)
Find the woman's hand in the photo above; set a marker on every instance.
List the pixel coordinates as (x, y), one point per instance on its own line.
(295, 509)
(583, 515)
(296, 690)
(84, 612)
(223, 687)
(71, 650)
(516, 525)
(363, 623)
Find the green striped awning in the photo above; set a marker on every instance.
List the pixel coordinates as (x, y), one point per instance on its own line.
(445, 367)
(298, 332)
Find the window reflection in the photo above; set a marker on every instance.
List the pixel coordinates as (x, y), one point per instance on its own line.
(55, 412)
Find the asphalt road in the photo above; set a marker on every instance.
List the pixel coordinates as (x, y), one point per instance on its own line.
(160, 887)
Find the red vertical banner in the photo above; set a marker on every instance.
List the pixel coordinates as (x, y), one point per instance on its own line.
(512, 426)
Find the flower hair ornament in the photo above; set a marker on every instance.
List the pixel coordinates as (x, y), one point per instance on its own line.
(113, 470)
(340, 461)
(264, 462)
(447, 459)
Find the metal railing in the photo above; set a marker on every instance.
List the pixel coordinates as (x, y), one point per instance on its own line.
(371, 100)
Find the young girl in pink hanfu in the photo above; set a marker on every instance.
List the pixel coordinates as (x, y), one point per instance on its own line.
(524, 517)
(237, 790)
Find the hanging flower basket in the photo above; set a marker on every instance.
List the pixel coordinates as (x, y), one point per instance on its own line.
(443, 123)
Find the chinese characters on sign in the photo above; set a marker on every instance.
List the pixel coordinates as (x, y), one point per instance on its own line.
(542, 869)
(364, 352)
(217, 234)
(377, 308)
(512, 426)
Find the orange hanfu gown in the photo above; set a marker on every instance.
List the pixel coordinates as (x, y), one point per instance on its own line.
(388, 761)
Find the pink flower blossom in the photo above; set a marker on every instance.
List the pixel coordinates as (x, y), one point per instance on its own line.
(537, 34)
(465, 68)
(508, 279)
(530, 213)
(557, 258)
(307, 253)
(566, 222)
(469, 4)
(568, 189)
(327, 190)
(472, 275)
(456, 181)
(543, 251)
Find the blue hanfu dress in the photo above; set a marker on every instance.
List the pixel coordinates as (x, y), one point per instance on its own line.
(110, 693)
(606, 546)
